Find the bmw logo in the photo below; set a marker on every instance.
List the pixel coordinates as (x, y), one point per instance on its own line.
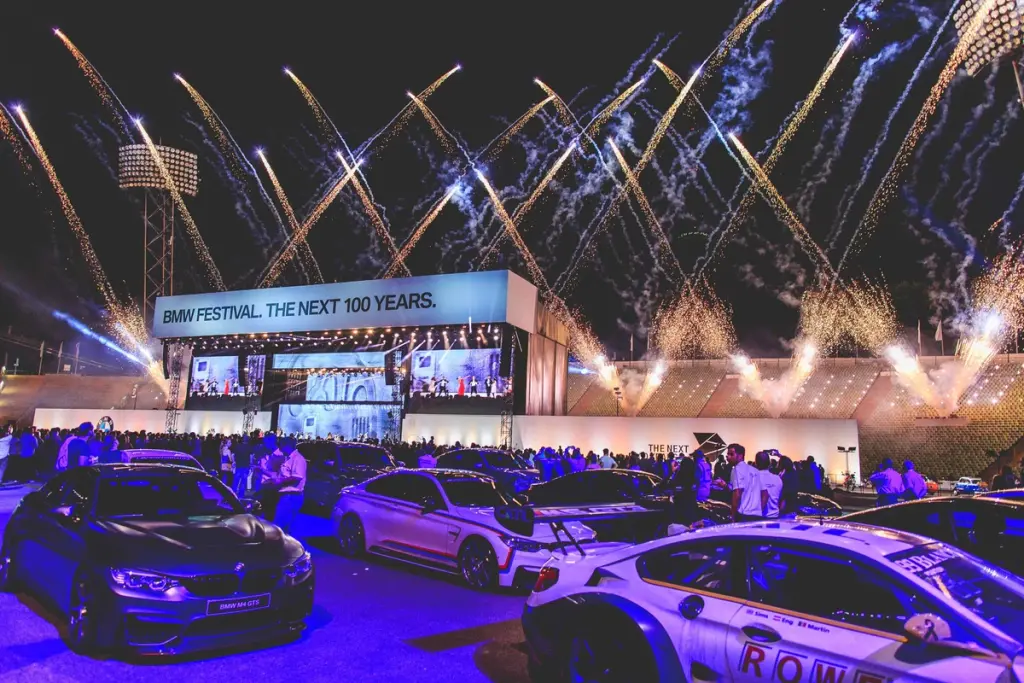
(239, 568)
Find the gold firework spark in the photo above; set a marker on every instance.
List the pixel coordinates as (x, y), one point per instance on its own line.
(775, 199)
(563, 110)
(697, 324)
(531, 263)
(718, 57)
(191, 229)
(514, 129)
(214, 123)
(664, 246)
(305, 252)
(319, 112)
(443, 136)
(417, 233)
(378, 223)
(7, 130)
(870, 318)
(888, 188)
(290, 249)
(402, 118)
(613, 107)
(96, 81)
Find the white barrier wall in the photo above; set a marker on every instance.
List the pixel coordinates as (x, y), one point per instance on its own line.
(795, 438)
(198, 421)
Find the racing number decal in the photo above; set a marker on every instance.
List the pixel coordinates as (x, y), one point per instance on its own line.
(790, 667)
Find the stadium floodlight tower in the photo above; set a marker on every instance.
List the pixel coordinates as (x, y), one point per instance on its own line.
(1000, 35)
(137, 169)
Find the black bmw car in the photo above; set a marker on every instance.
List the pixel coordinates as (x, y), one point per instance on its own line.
(155, 559)
(333, 466)
(508, 471)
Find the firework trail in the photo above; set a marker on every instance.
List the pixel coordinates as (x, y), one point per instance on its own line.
(975, 161)
(417, 233)
(568, 118)
(773, 197)
(605, 114)
(888, 187)
(794, 123)
(237, 162)
(695, 324)
(641, 164)
(92, 74)
(378, 223)
(496, 146)
(664, 246)
(10, 132)
(717, 57)
(448, 142)
(851, 105)
(191, 229)
(290, 249)
(850, 194)
(305, 253)
(531, 263)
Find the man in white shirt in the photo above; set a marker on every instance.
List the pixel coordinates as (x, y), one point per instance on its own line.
(292, 482)
(5, 450)
(771, 485)
(607, 461)
(745, 483)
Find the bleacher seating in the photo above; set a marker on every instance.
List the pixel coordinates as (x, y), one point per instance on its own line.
(834, 390)
(741, 405)
(22, 394)
(684, 391)
(577, 386)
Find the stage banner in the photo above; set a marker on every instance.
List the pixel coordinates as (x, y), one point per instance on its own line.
(456, 299)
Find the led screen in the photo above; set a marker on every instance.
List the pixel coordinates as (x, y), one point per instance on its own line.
(339, 421)
(459, 367)
(316, 361)
(347, 387)
(215, 376)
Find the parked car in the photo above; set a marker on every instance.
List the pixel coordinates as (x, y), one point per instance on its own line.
(967, 485)
(989, 526)
(932, 485)
(156, 559)
(331, 466)
(508, 471)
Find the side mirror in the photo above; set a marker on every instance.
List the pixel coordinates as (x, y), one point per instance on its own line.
(430, 504)
(251, 506)
(934, 631)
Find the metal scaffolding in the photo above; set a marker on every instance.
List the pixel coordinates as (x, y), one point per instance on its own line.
(158, 259)
(174, 390)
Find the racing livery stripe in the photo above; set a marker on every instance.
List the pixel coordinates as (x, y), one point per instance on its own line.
(417, 550)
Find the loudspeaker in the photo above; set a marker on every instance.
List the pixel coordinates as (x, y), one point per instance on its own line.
(167, 360)
(505, 364)
(389, 369)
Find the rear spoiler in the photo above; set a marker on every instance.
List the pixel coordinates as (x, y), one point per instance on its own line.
(522, 519)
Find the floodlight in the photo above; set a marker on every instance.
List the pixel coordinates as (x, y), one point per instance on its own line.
(999, 34)
(138, 169)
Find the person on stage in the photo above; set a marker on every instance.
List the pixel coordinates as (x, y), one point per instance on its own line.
(444, 387)
(462, 386)
(473, 386)
(489, 386)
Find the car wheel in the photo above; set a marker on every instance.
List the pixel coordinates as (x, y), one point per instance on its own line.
(351, 537)
(610, 655)
(7, 578)
(82, 616)
(478, 564)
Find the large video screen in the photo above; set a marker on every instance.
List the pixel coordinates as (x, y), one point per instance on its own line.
(451, 372)
(255, 371)
(337, 421)
(214, 376)
(317, 361)
(349, 387)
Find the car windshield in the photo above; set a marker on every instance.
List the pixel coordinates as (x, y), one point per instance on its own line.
(165, 493)
(371, 457)
(472, 492)
(501, 459)
(995, 598)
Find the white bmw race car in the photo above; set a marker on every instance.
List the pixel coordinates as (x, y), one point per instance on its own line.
(449, 520)
(788, 601)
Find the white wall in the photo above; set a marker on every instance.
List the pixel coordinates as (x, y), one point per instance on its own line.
(795, 438)
(198, 421)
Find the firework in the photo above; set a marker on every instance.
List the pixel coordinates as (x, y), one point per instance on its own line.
(106, 93)
(443, 136)
(870, 319)
(664, 246)
(191, 229)
(563, 110)
(290, 249)
(227, 144)
(777, 202)
(326, 125)
(613, 107)
(401, 119)
(9, 131)
(722, 51)
(531, 263)
(697, 324)
(421, 227)
(889, 186)
(498, 145)
(305, 252)
(371, 210)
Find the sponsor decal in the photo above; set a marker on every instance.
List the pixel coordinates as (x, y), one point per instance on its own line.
(756, 661)
(926, 560)
(827, 672)
(813, 627)
(789, 667)
(753, 659)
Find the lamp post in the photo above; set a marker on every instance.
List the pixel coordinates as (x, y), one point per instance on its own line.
(618, 399)
(847, 451)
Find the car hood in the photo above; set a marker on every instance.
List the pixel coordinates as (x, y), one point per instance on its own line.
(194, 544)
(541, 532)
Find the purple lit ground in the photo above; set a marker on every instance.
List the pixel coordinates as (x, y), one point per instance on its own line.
(373, 621)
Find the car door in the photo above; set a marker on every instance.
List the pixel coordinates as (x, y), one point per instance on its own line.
(322, 480)
(696, 591)
(418, 527)
(817, 613)
(61, 544)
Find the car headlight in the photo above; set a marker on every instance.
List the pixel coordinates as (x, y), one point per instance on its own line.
(299, 567)
(522, 544)
(139, 580)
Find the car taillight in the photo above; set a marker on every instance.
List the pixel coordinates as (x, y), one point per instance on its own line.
(547, 578)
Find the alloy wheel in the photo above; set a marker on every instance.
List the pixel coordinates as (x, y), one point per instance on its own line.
(479, 565)
(351, 538)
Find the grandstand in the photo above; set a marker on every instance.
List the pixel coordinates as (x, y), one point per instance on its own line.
(20, 395)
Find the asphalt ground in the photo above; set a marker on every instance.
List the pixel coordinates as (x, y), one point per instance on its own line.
(373, 620)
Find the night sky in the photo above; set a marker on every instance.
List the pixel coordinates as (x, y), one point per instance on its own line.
(932, 239)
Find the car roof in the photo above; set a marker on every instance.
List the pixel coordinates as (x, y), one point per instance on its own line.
(443, 474)
(473, 450)
(116, 469)
(862, 539)
(984, 499)
(156, 453)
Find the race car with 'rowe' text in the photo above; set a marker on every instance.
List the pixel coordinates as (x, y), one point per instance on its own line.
(776, 601)
(453, 521)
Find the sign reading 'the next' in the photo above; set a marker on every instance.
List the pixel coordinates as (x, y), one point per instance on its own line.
(407, 302)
